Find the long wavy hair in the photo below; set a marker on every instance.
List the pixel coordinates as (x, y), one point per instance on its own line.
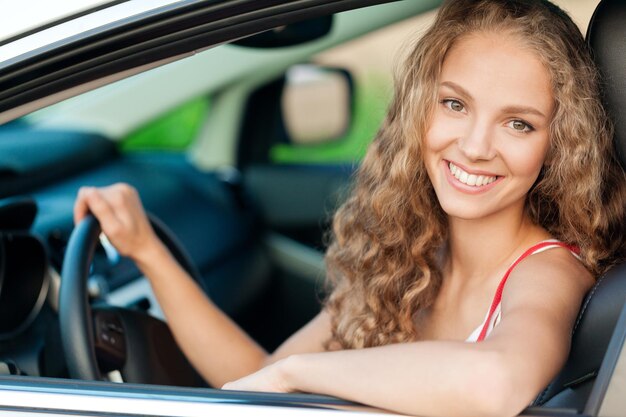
(389, 237)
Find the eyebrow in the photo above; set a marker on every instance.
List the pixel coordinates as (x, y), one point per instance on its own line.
(509, 109)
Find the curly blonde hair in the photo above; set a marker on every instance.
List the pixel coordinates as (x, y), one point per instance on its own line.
(389, 237)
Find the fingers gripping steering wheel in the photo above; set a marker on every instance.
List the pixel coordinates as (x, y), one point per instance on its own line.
(100, 339)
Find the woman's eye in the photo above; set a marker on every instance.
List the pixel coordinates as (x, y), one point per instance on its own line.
(520, 126)
(454, 105)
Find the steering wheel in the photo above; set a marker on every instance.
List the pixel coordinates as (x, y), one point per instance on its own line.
(105, 338)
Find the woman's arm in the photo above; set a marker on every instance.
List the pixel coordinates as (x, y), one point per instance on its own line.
(499, 376)
(213, 343)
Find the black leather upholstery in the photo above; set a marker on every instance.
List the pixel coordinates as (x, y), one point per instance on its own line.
(600, 311)
(607, 37)
(592, 333)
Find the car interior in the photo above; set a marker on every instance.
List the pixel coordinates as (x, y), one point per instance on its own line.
(244, 201)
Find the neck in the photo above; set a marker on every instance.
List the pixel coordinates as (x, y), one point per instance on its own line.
(478, 247)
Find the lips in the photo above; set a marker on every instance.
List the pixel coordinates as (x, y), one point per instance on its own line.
(473, 180)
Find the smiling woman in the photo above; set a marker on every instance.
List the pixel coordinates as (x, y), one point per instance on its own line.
(460, 193)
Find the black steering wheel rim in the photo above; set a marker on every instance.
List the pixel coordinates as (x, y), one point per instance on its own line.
(75, 315)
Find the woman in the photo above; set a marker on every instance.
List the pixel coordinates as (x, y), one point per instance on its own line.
(492, 174)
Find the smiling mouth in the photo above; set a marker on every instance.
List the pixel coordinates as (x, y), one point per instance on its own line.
(472, 180)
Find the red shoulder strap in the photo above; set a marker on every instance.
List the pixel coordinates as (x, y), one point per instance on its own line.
(498, 295)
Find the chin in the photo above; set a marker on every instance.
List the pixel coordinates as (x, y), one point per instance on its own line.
(463, 211)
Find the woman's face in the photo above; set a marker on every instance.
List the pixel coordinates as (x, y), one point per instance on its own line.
(490, 130)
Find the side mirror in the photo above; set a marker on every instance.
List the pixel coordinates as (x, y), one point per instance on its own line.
(317, 104)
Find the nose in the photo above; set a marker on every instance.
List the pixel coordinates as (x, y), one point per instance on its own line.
(477, 142)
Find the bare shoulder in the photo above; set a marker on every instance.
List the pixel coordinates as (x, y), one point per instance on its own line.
(556, 266)
(553, 277)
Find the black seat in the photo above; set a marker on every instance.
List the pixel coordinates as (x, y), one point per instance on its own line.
(596, 322)
(592, 333)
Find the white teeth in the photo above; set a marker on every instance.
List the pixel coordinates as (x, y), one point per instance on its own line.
(469, 179)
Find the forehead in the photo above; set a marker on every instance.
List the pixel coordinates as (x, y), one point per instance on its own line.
(499, 67)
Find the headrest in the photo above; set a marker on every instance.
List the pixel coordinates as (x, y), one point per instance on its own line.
(606, 36)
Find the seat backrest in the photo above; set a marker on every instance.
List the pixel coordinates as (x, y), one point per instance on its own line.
(606, 36)
(592, 334)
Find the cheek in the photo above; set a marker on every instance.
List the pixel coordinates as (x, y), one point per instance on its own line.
(440, 134)
(527, 162)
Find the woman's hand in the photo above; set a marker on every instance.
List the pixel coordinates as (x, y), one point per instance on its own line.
(121, 216)
(272, 378)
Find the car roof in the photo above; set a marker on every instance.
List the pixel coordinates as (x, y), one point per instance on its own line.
(37, 25)
(34, 15)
